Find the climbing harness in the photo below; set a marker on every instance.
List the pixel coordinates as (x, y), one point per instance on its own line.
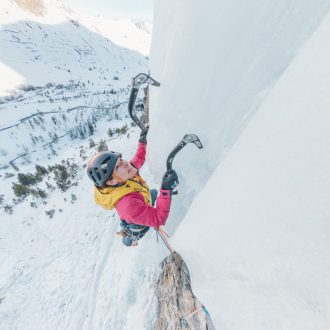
(131, 233)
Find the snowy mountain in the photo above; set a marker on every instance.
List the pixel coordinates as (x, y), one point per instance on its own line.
(62, 74)
(59, 46)
(255, 89)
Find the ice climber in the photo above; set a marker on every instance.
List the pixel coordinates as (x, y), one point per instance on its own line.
(117, 184)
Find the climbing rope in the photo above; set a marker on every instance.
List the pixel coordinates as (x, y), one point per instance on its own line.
(164, 236)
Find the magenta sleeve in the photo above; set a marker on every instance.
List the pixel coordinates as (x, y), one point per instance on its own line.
(140, 156)
(133, 209)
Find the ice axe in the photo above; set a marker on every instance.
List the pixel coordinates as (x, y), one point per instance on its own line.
(137, 82)
(188, 138)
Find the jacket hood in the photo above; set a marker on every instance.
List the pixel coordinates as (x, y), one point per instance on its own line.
(109, 196)
(106, 197)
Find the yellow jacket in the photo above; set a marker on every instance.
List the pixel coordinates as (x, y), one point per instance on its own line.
(109, 196)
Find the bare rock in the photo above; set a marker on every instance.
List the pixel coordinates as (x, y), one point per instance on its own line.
(176, 301)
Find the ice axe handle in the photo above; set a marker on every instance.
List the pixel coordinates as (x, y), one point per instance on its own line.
(137, 81)
(132, 98)
(131, 109)
(188, 138)
(171, 156)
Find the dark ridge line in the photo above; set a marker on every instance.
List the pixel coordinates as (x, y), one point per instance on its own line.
(79, 107)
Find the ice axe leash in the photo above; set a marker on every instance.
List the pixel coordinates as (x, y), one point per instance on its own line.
(137, 82)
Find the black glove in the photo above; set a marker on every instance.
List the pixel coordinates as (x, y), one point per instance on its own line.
(143, 135)
(170, 181)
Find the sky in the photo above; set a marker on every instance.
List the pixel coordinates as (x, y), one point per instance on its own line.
(136, 9)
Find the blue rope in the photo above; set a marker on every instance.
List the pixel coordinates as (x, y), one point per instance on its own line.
(205, 311)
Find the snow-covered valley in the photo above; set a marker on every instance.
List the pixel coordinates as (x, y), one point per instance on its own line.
(65, 97)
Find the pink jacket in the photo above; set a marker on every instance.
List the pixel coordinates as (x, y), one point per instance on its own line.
(132, 207)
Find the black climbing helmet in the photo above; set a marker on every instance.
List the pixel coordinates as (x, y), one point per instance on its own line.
(101, 166)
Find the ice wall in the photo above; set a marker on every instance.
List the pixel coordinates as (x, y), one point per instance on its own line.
(256, 239)
(216, 61)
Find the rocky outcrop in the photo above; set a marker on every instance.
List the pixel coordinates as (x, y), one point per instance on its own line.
(178, 308)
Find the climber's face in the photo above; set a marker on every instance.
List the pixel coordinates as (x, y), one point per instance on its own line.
(122, 172)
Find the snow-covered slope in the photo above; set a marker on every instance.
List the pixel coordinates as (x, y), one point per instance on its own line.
(59, 45)
(62, 73)
(62, 265)
(256, 238)
(217, 61)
